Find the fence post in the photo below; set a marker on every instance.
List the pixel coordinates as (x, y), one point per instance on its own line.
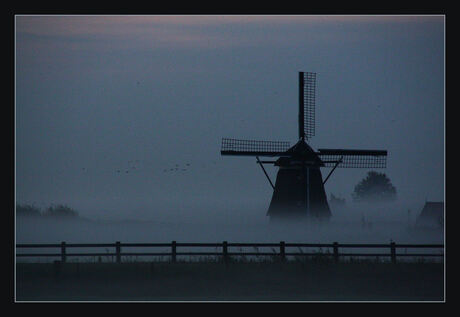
(225, 251)
(118, 251)
(173, 251)
(335, 247)
(393, 252)
(63, 253)
(282, 251)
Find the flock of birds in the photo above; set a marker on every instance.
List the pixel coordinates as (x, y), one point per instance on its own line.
(134, 166)
(176, 168)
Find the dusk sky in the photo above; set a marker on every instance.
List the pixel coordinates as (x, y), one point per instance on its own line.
(107, 107)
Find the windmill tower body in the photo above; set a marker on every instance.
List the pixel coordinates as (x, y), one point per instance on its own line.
(299, 192)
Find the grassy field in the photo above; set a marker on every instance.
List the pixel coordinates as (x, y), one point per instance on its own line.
(235, 281)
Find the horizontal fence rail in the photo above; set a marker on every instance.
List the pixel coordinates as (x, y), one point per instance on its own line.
(278, 250)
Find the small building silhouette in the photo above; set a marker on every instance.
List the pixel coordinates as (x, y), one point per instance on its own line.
(432, 214)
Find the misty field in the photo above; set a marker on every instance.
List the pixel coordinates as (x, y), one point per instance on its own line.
(237, 281)
(232, 225)
(150, 279)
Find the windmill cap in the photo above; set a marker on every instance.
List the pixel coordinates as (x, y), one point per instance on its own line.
(302, 151)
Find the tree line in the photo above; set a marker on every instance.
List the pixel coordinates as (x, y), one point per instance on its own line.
(56, 211)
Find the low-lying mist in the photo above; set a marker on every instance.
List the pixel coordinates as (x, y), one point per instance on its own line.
(244, 222)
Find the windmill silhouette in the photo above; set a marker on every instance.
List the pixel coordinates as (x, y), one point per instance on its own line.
(298, 192)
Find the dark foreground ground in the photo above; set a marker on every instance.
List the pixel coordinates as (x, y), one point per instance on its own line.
(292, 281)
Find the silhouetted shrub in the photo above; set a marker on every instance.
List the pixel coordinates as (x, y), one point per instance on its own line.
(336, 201)
(27, 210)
(61, 211)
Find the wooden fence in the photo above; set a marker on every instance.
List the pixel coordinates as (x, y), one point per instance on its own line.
(278, 250)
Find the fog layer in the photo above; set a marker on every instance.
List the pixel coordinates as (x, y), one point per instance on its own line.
(362, 224)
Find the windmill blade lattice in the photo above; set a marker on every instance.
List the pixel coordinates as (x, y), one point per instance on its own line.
(253, 147)
(307, 104)
(353, 158)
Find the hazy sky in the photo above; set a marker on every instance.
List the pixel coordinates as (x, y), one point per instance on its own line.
(106, 106)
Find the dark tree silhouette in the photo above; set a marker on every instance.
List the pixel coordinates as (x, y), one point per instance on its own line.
(61, 211)
(376, 187)
(27, 210)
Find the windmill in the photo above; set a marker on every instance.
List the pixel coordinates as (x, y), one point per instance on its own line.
(298, 191)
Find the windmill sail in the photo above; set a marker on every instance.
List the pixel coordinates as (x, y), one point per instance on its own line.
(253, 147)
(307, 102)
(353, 158)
